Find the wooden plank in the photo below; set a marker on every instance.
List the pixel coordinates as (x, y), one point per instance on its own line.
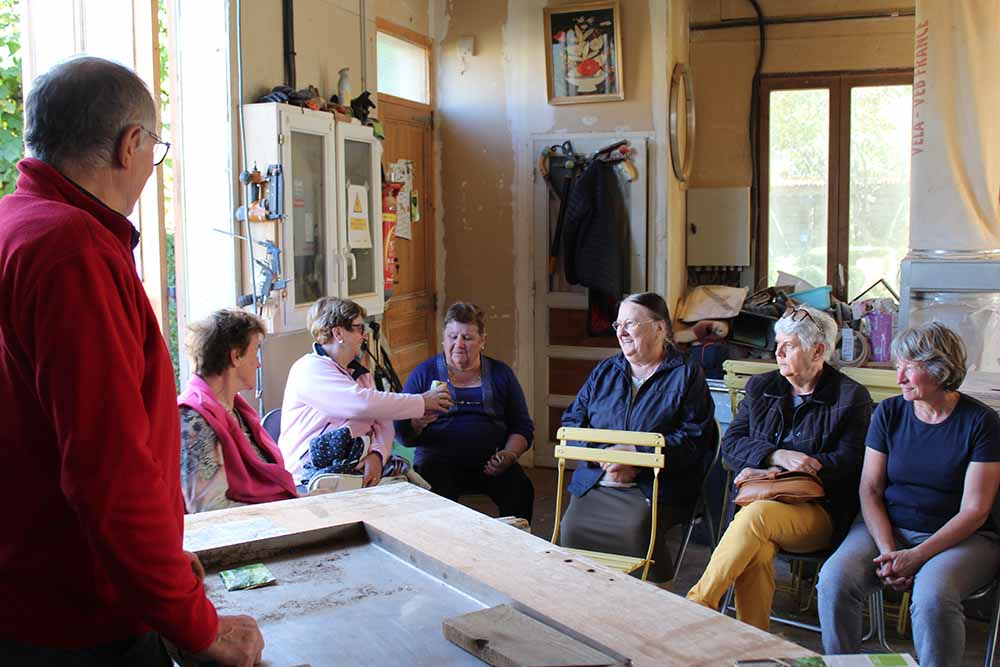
(611, 437)
(568, 326)
(881, 382)
(659, 629)
(614, 561)
(566, 376)
(504, 637)
(642, 459)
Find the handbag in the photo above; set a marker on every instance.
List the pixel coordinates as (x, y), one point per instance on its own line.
(787, 486)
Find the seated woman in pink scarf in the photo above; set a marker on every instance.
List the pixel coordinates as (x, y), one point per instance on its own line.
(329, 391)
(227, 459)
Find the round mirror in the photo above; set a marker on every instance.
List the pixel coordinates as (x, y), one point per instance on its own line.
(681, 136)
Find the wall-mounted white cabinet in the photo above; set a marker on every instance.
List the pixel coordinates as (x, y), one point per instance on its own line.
(359, 205)
(331, 234)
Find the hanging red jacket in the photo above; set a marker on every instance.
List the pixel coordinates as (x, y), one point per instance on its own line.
(90, 444)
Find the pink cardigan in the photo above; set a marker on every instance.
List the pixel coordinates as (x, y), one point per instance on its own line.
(320, 392)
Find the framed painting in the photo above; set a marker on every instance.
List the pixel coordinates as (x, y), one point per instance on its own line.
(583, 54)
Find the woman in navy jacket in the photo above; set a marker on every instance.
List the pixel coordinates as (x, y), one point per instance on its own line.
(650, 386)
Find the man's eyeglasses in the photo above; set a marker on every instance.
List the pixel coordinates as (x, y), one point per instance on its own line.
(160, 148)
(360, 328)
(629, 326)
(799, 314)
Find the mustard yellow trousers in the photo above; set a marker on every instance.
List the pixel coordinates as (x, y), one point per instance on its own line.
(745, 555)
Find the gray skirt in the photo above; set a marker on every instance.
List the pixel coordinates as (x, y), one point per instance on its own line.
(616, 520)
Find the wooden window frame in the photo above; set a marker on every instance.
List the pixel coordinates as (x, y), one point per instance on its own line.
(840, 85)
(413, 37)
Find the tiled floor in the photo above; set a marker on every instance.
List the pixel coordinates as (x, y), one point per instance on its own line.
(696, 560)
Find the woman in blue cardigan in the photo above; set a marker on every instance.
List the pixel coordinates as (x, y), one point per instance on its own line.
(474, 447)
(650, 386)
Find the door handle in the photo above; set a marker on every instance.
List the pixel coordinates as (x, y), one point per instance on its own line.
(353, 261)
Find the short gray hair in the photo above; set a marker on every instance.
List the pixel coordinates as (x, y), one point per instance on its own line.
(75, 113)
(939, 349)
(811, 332)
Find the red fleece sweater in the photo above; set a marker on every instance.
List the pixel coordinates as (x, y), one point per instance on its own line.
(91, 546)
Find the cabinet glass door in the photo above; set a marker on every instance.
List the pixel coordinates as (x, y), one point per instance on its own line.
(308, 217)
(360, 220)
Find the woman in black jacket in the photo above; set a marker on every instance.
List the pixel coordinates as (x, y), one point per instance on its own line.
(650, 386)
(805, 416)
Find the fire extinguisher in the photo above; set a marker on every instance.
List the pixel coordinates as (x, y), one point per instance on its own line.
(390, 191)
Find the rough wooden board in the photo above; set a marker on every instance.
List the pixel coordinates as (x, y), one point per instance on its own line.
(504, 637)
(632, 618)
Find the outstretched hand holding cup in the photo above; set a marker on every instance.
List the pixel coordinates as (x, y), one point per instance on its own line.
(437, 399)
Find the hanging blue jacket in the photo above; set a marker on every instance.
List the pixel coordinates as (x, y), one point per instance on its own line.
(674, 401)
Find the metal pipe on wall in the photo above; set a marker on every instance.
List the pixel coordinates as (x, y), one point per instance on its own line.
(288, 38)
(783, 20)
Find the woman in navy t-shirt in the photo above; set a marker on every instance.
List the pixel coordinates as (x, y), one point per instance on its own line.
(931, 471)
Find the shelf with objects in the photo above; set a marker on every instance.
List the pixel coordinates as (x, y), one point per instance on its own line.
(324, 177)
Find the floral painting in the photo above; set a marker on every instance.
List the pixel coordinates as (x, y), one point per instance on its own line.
(583, 53)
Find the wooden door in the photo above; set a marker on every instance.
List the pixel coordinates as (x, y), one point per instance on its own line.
(410, 315)
(564, 353)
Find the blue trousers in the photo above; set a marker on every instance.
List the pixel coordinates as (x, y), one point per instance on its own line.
(848, 578)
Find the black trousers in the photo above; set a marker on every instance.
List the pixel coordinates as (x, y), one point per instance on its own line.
(511, 490)
(143, 651)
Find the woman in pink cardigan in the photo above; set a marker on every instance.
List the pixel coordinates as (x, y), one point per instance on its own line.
(329, 389)
(227, 459)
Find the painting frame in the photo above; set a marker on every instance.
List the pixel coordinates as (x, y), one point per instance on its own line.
(569, 36)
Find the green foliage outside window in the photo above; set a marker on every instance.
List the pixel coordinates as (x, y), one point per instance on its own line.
(11, 99)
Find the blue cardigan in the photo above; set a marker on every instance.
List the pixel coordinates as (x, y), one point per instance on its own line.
(468, 434)
(674, 401)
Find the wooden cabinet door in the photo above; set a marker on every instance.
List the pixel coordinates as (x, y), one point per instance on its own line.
(410, 315)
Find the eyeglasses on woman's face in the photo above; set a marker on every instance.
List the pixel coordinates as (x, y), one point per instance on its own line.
(629, 326)
(358, 327)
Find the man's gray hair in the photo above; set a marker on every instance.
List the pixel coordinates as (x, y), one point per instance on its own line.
(75, 113)
(811, 332)
(939, 349)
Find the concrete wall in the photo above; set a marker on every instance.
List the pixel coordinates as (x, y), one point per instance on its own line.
(488, 108)
(723, 63)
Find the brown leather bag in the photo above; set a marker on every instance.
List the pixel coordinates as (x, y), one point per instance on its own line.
(787, 486)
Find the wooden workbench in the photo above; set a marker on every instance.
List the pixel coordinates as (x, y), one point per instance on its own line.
(640, 621)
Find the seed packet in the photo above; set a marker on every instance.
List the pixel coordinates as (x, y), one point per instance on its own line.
(248, 576)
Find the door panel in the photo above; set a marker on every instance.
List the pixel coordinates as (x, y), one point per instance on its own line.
(410, 318)
(564, 354)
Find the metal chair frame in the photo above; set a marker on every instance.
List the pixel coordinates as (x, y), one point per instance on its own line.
(271, 422)
(992, 588)
(654, 460)
(817, 558)
(700, 509)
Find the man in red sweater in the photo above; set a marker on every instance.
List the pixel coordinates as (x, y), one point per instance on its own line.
(92, 570)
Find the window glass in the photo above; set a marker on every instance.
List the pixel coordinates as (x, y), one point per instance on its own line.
(879, 185)
(308, 221)
(798, 169)
(402, 68)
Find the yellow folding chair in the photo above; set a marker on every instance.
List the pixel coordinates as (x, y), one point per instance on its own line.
(654, 460)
